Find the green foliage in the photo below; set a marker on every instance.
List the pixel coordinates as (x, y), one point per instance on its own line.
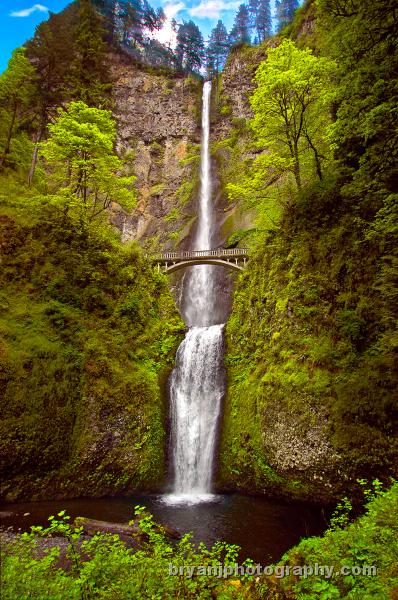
(190, 47)
(104, 567)
(285, 10)
(17, 91)
(89, 75)
(313, 325)
(240, 34)
(217, 49)
(341, 514)
(290, 112)
(306, 327)
(85, 171)
(87, 329)
(369, 541)
(362, 36)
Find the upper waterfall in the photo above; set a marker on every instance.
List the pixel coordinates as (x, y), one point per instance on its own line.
(199, 298)
(203, 234)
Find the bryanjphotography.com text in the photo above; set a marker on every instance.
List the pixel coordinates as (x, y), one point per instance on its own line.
(278, 571)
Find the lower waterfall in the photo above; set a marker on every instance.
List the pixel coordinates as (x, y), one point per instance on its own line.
(196, 389)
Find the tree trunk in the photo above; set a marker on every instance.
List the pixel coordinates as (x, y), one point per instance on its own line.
(125, 530)
(7, 147)
(317, 157)
(297, 174)
(39, 135)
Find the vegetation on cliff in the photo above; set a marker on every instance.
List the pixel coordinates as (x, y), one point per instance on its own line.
(88, 329)
(311, 342)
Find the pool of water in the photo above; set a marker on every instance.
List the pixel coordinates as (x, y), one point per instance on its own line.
(263, 528)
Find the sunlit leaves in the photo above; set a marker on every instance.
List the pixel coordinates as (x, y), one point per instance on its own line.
(86, 173)
(290, 107)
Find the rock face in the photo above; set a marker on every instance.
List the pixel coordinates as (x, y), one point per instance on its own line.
(159, 129)
(236, 86)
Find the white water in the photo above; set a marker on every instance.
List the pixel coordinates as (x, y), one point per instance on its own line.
(197, 381)
(199, 298)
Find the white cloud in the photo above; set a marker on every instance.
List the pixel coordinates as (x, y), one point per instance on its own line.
(166, 35)
(26, 12)
(212, 9)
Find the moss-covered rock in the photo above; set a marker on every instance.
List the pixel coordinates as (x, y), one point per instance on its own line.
(311, 357)
(88, 333)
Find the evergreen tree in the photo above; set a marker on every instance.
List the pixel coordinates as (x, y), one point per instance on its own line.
(285, 10)
(217, 49)
(130, 27)
(136, 18)
(89, 77)
(253, 12)
(108, 10)
(260, 19)
(190, 47)
(51, 53)
(17, 90)
(152, 19)
(240, 31)
(263, 20)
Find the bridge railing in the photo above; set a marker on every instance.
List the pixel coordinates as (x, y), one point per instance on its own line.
(191, 254)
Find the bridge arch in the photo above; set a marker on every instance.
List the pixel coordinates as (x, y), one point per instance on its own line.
(232, 258)
(206, 261)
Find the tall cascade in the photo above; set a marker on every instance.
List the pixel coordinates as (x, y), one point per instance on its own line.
(197, 381)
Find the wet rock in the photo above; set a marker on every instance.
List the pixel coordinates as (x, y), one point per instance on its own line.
(5, 514)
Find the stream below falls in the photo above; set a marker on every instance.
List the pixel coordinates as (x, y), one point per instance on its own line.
(263, 528)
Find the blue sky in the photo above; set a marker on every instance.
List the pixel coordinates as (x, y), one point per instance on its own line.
(15, 30)
(19, 18)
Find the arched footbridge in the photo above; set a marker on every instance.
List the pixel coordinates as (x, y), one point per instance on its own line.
(233, 258)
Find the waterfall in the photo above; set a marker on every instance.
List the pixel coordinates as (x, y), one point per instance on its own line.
(197, 381)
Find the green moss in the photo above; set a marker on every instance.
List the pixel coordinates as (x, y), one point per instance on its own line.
(371, 541)
(88, 329)
(302, 338)
(156, 190)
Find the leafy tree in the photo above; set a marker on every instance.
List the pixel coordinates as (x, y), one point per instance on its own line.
(289, 108)
(285, 10)
(17, 91)
(85, 171)
(217, 49)
(190, 47)
(260, 18)
(240, 31)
